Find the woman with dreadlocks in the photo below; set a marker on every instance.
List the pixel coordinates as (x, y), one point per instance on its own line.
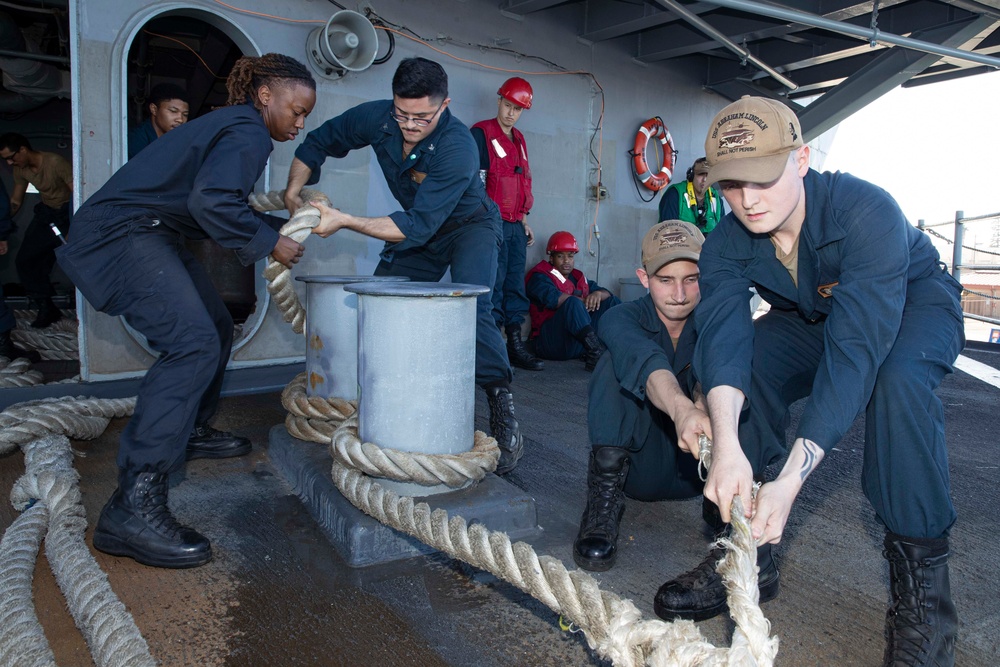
(126, 255)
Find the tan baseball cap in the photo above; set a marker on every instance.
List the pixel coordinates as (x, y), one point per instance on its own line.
(750, 140)
(700, 166)
(669, 241)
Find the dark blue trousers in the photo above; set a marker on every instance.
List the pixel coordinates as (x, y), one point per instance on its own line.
(131, 265)
(556, 339)
(36, 257)
(510, 302)
(471, 252)
(658, 469)
(905, 470)
(7, 321)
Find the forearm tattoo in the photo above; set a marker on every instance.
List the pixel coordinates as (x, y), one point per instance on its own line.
(809, 450)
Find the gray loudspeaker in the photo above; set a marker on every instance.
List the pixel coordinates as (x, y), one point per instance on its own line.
(346, 43)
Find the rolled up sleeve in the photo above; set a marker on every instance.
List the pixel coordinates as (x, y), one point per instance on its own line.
(634, 354)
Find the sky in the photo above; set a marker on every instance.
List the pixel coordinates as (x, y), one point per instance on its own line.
(935, 148)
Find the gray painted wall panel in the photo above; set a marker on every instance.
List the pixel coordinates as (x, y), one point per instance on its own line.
(558, 130)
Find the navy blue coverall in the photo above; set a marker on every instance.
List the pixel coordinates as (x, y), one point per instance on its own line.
(620, 415)
(140, 136)
(447, 218)
(126, 255)
(556, 339)
(874, 324)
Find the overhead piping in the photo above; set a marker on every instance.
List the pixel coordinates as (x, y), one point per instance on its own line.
(8, 53)
(743, 53)
(871, 35)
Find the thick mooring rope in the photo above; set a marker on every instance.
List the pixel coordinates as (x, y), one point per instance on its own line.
(49, 496)
(24, 317)
(298, 227)
(18, 373)
(313, 418)
(453, 470)
(50, 343)
(613, 627)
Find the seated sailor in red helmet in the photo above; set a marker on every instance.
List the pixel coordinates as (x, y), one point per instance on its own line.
(565, 306)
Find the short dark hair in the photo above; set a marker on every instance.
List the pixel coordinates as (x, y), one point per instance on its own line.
(162, 92)
(14, 142)
(419, 77)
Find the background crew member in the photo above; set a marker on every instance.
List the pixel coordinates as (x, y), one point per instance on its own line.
(126, 254)
(503, 157)
(52, 176)
(863, 318)
(431, 165)
(693, 200)
(168, 109)
(565, 306)
(640, 411)
(7, 322)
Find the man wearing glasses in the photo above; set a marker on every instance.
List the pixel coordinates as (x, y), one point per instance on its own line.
(431, 165)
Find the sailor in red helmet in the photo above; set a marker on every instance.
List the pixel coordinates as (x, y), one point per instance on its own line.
(503, 156)
(565, 306)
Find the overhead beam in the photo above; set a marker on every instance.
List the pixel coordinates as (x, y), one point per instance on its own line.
(873, 34)
(528, 6)
(850, 10)
(889, 70)
(742, 52)
(659, 19)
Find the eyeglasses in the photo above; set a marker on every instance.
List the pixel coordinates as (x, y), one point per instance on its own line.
(419, 122)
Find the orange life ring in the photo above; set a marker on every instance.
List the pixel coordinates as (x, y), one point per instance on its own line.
(653, 128)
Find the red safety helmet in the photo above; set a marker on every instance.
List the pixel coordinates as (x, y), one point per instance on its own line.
(562, 242)
(516, 91)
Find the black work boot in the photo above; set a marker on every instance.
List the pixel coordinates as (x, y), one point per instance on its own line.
(519, 354)
(11, 351)
(504, 427)
(921, 624)
(596, 546)
(700, 594)
(593, 348)
(208, 443)
(48, 313)
(136, 523)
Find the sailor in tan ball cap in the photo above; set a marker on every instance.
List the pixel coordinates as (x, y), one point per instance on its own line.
(863, 318)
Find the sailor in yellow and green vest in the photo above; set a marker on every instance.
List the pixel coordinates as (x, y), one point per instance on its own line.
(692, 200)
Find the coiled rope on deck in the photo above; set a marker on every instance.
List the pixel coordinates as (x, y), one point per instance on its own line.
(453, 470)
(313, 418)
(612, 626)
(49, 496)
(18, 373)
(298, 227)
